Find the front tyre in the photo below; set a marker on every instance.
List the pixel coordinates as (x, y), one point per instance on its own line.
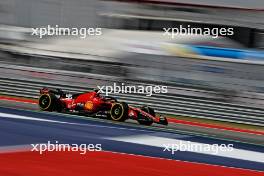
(119, 112)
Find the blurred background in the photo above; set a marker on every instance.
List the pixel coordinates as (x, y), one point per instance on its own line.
(206, 76)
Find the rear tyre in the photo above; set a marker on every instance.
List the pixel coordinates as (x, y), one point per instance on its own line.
(119, 112)
(48, 102)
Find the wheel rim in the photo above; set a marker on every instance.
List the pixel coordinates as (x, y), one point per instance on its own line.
(117, 112)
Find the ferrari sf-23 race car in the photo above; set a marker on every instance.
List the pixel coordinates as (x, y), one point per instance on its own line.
(94, 104)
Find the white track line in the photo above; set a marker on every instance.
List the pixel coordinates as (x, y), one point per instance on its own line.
(21, 117)
(162, 141)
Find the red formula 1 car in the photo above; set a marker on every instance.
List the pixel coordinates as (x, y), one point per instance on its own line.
(94, 104)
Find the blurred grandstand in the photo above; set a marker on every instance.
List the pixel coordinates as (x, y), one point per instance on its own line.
(133, 46)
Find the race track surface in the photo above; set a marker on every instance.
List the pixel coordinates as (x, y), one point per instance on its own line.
(20, 128)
